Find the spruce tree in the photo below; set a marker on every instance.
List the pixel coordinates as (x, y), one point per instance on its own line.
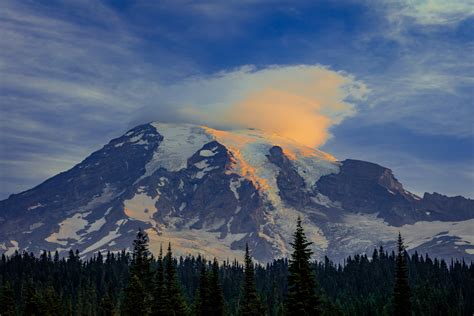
(107, 307)
(250, 305)
(7, 300)
(160, 301)
(401, 290)
(50, 302)
(141, 258)
(177, 304)
(134, 302)
(215, 291)
(203, 296)
(302, 298)
(137, 294)
(31, 304)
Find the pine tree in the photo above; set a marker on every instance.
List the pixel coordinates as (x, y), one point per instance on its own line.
(7, 300)
(160, 301)
(250, 305)
(177, 303)
(401, 290)
(215, 291)
(302, 298)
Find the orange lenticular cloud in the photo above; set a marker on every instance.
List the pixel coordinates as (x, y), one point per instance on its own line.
(300, 102)
(286, 114)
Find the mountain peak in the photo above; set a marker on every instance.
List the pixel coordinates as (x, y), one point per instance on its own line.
(211, 191)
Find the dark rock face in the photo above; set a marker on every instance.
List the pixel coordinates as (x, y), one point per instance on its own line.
(291, 185)
(369, 188)
(447, 208)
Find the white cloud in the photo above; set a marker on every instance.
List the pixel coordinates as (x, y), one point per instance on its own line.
(432, 12)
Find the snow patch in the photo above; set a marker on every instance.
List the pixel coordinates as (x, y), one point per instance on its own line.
(234, 186)
(136, 138)
(201, 164)
(107, 194)
(141, 207)
(323, 200)
(96, 226)
(180, 141)
(36, 225)
(373, 229)
(10, 250)
(207, 153)
(68, 229)
(107, 239)
(33, 207)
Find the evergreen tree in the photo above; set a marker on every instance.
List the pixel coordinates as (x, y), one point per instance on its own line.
(7, 300)
(31, 299)
(141, 258)
(203, 297)
(137, 296)
(250, 305)
(177, 304)
(160, 301)
(50, 302)
(401, 290)
(134, 302)
(215, 291)
(53, 285)
(302, 298)
(107, 307)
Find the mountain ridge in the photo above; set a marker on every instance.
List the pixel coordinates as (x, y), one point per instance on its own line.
(210, 191)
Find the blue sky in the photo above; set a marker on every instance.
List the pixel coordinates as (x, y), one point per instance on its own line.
(74, 74)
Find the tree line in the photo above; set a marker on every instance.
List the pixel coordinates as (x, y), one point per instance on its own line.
(138, 283)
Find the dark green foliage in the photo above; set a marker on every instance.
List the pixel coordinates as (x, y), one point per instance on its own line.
(137, 293)
(302, 298)
(360, 286)
(107, 306)
(135, 298)
(160, 300)
(141, 258)
(50, 302)
(250, 305)
(7, 300)
(216, 297)
(401, 290)
(32, 301)
(177, 304)
(203, 298)
(209, 299)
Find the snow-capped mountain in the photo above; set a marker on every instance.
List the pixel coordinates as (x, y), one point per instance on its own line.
(209, 191)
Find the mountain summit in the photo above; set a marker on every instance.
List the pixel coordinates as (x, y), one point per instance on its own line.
(210, 191)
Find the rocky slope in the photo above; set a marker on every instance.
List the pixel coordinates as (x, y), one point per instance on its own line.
(210, 192)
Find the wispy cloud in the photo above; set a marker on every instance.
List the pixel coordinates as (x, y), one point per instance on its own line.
(434, 12)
